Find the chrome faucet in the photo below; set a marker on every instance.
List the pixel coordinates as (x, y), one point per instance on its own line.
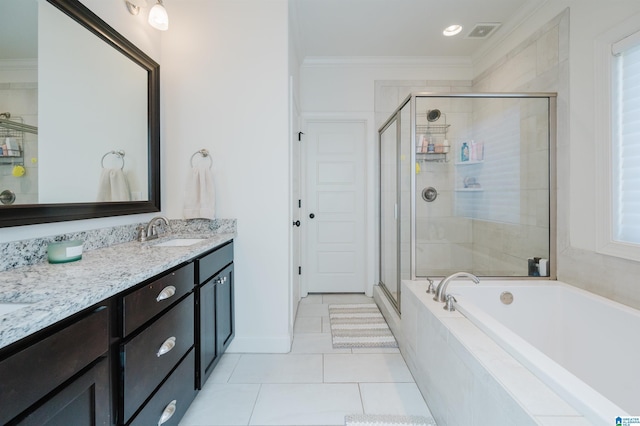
(150, 232)
(442, 287)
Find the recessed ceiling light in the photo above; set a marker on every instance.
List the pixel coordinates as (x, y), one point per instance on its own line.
(452, 30)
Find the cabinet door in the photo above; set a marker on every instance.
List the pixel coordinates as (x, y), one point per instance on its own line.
(225, 327)
(83, 402)
(207, 334)
(32, 373)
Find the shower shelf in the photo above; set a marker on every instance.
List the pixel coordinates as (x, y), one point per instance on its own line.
(469, 189)
(432, 156)
(432, 129)
(11, 159)
(468, 163)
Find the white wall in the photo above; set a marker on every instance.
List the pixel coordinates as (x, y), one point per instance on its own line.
(147, 39)
(225, 88)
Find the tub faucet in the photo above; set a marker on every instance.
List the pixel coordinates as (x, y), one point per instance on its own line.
(441, 295)
(150, 232)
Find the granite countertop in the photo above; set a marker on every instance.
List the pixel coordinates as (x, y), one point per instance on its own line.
(57, 291)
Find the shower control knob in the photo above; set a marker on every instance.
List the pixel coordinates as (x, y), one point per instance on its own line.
(312, 215)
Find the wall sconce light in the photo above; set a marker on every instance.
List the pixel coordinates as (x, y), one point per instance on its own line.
(158, 17)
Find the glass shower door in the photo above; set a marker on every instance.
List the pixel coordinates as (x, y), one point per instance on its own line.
(396, 168)
(389, 210)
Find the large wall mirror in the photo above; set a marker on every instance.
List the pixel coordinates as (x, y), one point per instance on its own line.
(79, 116)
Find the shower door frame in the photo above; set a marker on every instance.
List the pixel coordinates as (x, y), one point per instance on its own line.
(411, 99)
(397, 118)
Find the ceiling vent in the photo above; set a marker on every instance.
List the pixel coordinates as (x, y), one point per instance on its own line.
(483, 30)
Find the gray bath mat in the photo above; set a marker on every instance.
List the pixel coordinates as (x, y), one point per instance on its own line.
(359, 325)
(387, 420)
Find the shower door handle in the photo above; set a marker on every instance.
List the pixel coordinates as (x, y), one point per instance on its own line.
(312, 215)
(296, 223)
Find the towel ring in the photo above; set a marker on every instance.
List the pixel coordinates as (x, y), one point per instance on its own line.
(204, 153)
(119, 154)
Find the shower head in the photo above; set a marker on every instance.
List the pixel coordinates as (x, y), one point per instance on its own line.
(433, 115)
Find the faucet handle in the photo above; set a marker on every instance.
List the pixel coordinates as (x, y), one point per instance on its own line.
(142, 234)
(431, 289)
(448, 304)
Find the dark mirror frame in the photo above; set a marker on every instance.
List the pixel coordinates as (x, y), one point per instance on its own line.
(28, 214)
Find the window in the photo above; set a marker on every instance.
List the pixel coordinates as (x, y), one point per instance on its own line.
(617, 127)
(625, 138)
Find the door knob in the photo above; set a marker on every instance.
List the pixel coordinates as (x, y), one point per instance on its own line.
(312, 215)
(296, 223)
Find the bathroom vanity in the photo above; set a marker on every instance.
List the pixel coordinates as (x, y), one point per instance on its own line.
(136, 356)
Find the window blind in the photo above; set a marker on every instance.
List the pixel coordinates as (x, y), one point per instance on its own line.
(626, 147)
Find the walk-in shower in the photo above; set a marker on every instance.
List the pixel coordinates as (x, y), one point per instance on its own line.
(467, 184)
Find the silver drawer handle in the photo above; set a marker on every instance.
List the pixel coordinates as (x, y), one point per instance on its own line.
(168, 412)
(166, 346)
(221, 280)
(166, 293)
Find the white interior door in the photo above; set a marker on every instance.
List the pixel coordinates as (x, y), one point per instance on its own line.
(335, 207)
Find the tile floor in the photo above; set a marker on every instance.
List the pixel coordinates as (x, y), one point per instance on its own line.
(314, 384)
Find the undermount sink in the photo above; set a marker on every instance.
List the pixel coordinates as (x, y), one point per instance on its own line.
(6, 308)
(180, 242)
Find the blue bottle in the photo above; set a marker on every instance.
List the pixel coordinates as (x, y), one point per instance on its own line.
(464, 154)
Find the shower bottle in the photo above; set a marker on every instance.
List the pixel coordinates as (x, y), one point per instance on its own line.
(464, 152)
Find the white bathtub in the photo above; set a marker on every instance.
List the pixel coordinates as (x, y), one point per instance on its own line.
(584, 347)
(474, 370)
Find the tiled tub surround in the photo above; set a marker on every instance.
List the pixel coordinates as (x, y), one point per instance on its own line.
(56, 291)
(464, 375)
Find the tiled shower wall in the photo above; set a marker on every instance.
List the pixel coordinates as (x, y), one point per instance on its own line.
(453, 242)
(537, 65)
(21, 100)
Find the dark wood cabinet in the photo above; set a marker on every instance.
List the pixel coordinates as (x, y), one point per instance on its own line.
(215, 326)
(151, 355)
(142, 304)
(59, 373)
(224, 309)
(137, 358)
(84, 402)
(172, 399)
(157, 339)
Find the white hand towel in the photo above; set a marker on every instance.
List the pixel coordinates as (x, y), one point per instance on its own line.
(200, 196)
(113, 186)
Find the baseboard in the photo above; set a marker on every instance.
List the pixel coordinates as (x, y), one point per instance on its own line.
(275, 345)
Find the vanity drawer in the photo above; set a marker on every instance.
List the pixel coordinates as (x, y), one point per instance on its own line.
(143, 304)
(213, 262)
(144, 365)
(178, 391)
(30, 374)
